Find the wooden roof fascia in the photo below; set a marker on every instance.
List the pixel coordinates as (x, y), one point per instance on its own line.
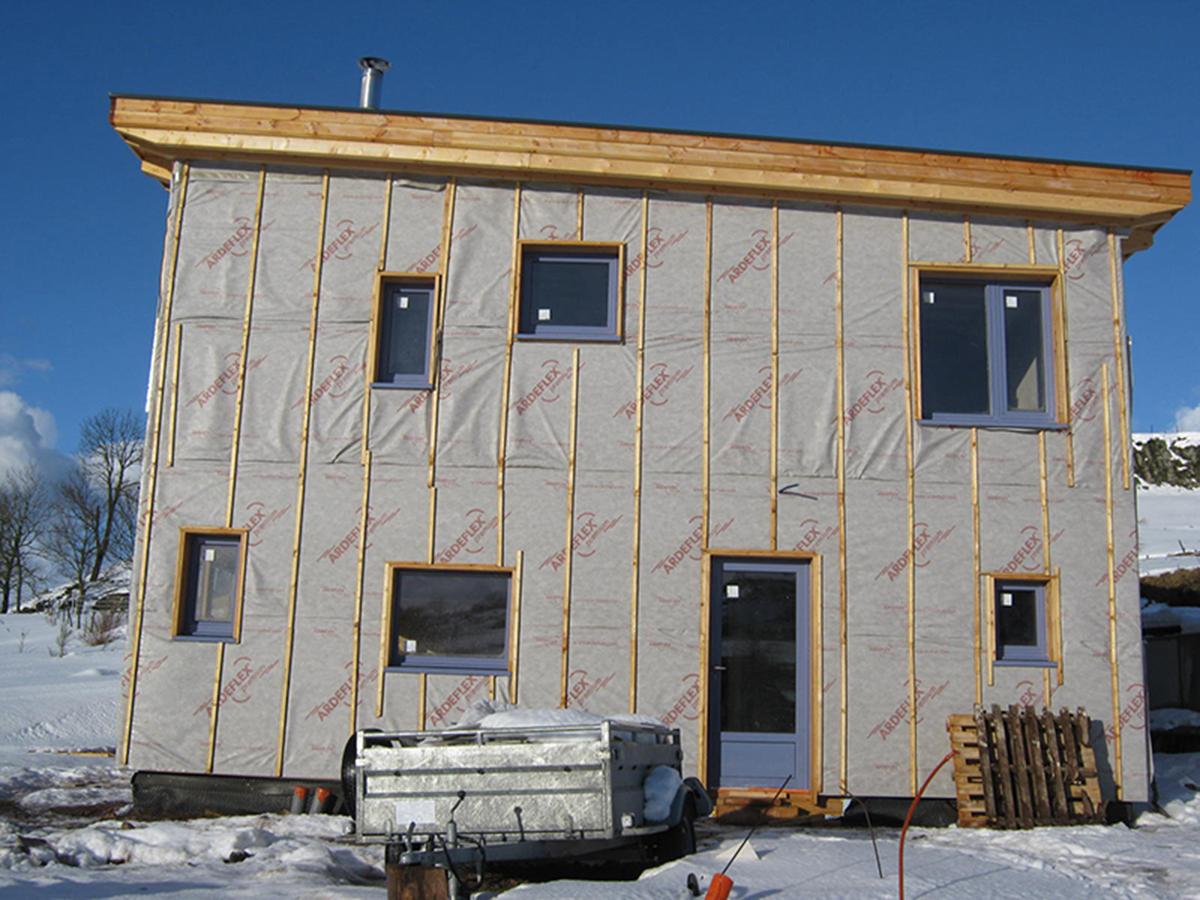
(1141, 199)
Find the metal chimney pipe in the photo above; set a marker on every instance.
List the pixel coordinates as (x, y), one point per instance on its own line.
(372, 81)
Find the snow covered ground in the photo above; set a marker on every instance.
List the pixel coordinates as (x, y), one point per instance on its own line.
(64, 831)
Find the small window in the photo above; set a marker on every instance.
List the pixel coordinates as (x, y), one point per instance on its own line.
(986, 354)
(1021, 635)
(209, 584)
(570, 291)
(449, 619)
(404, 343)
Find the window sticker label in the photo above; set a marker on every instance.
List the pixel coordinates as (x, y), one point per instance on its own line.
(732, 592)
(403, 302)
(209, 554)
(1006, 599)
(410, 646)
(543, 315)
(928, 298)
(1010, 300)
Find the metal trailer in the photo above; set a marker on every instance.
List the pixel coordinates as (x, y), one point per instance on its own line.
(467, 798)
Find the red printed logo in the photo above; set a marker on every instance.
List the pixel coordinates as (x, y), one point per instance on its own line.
(1086, 395)
(338, 382)
(226, 382)
(924, 541)
(582, 687)
(760, 397)
(892, 722)
(813, 535)
(871, 400)
(338, 550)
(588, 530)
(341, 694)
(237, 688)
(547, 389)
(660, 378)
(145, 668)
(237, 244)
(342, 246)
(430, 259)
(1077, 254)
(1127, 563)
(979, 249)
(657, 244)
(451, 372)
(1029, 696)
(758, 257)
(1133, 713)
(259, 519)
(479, 525)
(460, 699)
(691, 546)
(688, 704)
(152, 517)
(1029, 554)
(551, 233)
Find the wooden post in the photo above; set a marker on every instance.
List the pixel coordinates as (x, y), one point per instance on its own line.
(176, 350)
(704, 663)
(775, 375)
(1119, 360)
(514, 657)
(139, 605)
(568, 564)
(301, 479)
(635, 587)
(911, 574)
(502, 444)
(987, 600)
(966, 243)
(1030, 241)
(841, 489)
(1118, 770)
(1066, 363)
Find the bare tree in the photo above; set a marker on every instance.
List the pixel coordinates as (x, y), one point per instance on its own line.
(23, 513)
(72, 538)
(110, 453)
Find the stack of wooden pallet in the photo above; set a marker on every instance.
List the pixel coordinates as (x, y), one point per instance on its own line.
(1018, 768)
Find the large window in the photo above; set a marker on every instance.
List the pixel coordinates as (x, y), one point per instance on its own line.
(404, 333)
(444, 619)
(987, 353)
(209, 584)
(570, 291)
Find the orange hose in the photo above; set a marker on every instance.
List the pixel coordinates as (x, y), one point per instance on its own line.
(911, 810)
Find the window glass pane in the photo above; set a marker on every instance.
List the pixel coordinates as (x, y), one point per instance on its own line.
(954, 349)
(404, 347)
(1016, 617)
(215, 580)
(758, 651)
(448, 613)
(566, 292)
(1024, 351)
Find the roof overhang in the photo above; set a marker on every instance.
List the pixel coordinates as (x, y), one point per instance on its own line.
(162, 130)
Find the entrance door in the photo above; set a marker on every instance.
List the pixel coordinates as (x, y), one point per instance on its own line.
(759, 684)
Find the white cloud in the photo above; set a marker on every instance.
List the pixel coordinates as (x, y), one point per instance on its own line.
(27, 436)
(1187, 418)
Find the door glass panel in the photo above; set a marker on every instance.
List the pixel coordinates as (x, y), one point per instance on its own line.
(758, 651)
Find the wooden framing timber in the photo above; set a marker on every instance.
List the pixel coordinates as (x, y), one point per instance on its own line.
(161, 130)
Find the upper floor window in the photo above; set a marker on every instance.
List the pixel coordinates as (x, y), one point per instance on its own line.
(570, 291)
(404, 332)
(986, 353)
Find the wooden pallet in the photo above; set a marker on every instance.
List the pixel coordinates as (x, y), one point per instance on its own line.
(749, 805)
(1018, 768)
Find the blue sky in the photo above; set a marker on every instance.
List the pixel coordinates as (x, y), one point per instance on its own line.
(83, 230)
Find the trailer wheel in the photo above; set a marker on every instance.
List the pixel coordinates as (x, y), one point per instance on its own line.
(349, 757)
(679, 840)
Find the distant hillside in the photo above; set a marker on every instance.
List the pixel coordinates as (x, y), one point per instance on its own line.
(1167, 459)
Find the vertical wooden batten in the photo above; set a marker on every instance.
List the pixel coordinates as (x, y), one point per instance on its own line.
(568, 563)
(980, 619)
(235, 447)
(1118, 767)
(910, 484)
(506, 392)
(439, 329)
(844, 728)
(365, 506)
(1119, 361)
(774, 486)
(635, 586)
(1066, 363)
(301, 480)
(175, 353)
(139, 604)
(515, 654)
(704, 663)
